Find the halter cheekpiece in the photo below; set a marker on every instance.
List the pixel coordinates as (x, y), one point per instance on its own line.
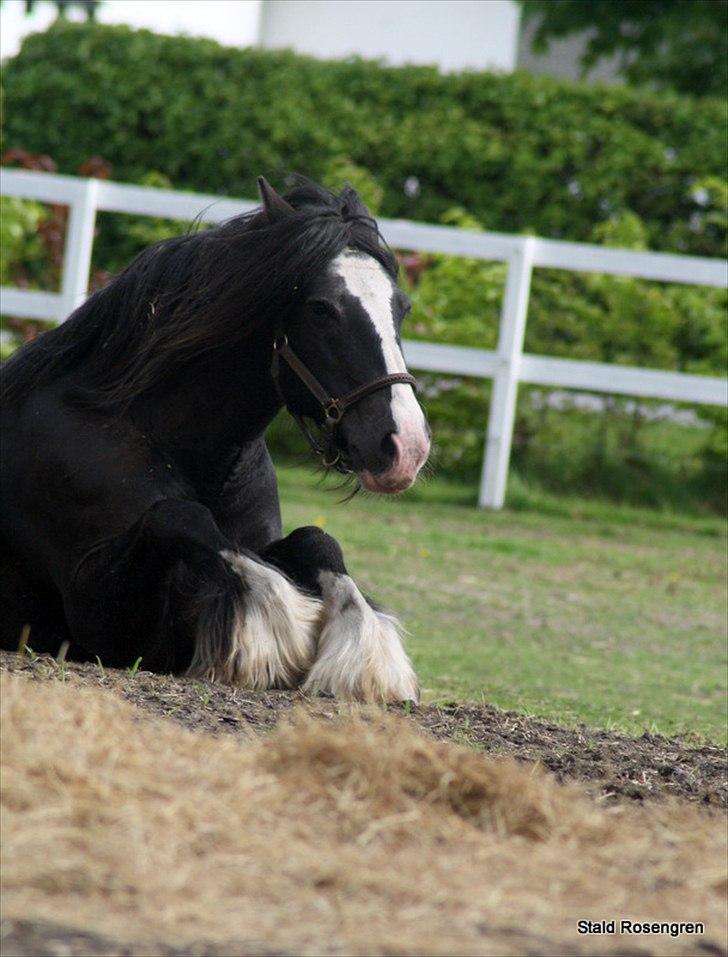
(325, 444)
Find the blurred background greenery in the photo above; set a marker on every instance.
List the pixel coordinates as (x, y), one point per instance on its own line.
(624, 166)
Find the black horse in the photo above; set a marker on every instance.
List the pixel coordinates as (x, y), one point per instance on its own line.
(140, 512)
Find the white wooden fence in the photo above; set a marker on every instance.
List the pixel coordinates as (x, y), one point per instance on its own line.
(507, 366)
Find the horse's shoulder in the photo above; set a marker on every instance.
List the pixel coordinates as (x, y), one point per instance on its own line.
(57, 448)
(51, 415)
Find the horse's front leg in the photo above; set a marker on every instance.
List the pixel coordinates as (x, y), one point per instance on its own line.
(175, 591)
(360, 653)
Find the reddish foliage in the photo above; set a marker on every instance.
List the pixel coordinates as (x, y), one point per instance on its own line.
(96, 167)
(99, 279)
(414, 265)
(26, 160)
(51, 229)
(27, 329)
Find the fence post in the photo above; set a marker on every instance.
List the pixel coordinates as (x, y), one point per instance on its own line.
(505, 381)
(78, 247)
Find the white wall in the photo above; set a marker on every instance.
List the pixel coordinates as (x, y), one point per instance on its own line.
(453, 34)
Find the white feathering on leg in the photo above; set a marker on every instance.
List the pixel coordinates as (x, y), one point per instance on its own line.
(274, 637)
(360, 651)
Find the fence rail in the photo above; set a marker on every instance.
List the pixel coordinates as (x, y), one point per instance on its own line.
(506, 366)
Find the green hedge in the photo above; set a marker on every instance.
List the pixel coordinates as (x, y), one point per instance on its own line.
(613, 166)
(631, 452)
(518, 152)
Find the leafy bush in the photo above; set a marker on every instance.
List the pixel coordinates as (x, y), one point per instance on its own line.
(519, 152)
(629, 451)
(20, 244)
(25, 260)
(665, 43)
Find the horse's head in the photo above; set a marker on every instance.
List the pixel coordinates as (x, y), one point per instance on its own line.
(346, 333)
(349, 333)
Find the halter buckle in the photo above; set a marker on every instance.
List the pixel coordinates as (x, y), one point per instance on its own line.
(334, 412)
(333, 409)
(330, 464)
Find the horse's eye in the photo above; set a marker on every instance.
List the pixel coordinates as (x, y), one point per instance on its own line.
(403, 304)
(403, 312)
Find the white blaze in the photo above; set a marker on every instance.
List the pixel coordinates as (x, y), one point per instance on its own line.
(366, 280)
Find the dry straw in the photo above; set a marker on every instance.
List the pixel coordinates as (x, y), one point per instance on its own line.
(359, 836)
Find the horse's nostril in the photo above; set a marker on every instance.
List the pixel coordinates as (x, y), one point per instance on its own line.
(388, 446)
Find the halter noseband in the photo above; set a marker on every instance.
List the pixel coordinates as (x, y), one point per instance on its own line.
(333, 409)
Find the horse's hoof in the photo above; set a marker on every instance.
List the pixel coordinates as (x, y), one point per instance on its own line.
(360, 655)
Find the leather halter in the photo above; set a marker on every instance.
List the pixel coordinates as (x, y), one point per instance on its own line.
(325, 444)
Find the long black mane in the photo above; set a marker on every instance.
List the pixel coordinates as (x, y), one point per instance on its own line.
(186, 296)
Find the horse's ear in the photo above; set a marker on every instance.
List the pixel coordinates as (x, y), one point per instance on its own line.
(353, 206)
(274, 205)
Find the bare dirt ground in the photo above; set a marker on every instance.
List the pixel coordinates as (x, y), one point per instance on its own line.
(614, 766)
(161, 816)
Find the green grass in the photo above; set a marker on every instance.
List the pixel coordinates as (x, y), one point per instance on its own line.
(570, 610)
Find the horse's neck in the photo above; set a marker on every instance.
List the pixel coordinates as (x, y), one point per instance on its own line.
(216, 404)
